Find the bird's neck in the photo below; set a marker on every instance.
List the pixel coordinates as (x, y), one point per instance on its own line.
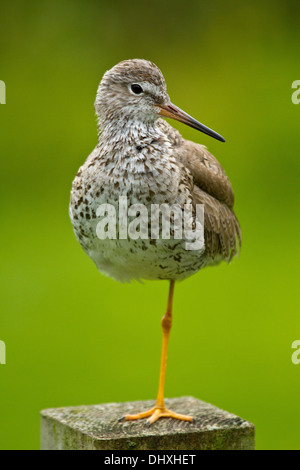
(127, 131)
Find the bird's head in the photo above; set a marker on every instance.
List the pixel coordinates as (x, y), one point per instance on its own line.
(135, 90)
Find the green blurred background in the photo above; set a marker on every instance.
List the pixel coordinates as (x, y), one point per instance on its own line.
(75, 337)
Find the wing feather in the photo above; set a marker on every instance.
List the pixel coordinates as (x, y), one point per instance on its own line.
(221, 228)
(213, 189)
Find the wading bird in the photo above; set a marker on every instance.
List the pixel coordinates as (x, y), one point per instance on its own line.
(141, 157)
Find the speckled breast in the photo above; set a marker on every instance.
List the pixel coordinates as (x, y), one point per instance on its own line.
(138, 179)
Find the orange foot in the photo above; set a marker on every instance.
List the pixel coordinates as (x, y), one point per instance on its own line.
(155, 413)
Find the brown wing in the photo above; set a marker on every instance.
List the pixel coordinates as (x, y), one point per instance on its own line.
(213, 189)
(207, 172)
(221, 228)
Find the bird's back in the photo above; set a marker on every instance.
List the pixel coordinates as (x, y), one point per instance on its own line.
(213, 189)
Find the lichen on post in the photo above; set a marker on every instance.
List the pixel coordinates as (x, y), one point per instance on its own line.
(97, 428)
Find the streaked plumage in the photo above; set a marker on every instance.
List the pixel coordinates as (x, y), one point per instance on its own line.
(212, 188)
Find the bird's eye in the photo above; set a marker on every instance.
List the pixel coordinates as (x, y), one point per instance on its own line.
(137, 89)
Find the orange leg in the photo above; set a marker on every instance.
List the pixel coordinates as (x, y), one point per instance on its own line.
(159, 410)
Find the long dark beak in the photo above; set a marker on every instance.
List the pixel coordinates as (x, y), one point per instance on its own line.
(172, 111)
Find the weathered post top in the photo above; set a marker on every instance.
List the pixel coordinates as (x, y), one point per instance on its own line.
(97, 428)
